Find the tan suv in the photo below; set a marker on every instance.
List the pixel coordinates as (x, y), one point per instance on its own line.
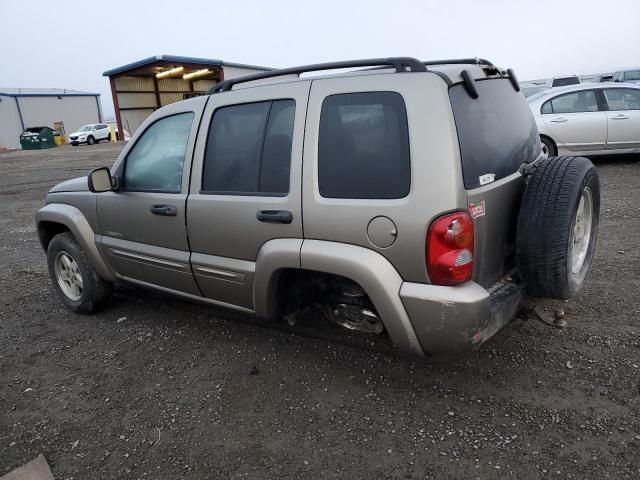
(409, 198)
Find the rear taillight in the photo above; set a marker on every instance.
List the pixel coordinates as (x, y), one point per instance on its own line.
(450, 249)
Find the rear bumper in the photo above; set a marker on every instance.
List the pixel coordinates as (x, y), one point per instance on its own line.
(459, 319)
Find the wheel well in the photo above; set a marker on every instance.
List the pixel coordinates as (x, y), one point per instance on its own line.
(47, 230)
(555, 146)
(298, 288)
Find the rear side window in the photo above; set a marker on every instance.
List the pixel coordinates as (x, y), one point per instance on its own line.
(496, 131)
(574, 102)
(363, 148)
(249, 149)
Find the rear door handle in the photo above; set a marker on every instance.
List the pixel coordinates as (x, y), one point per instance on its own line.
(274, 216)
(621, 116)
(559, 120)
(166, 210)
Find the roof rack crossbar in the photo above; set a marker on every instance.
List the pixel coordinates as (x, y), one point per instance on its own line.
(401, 64)
(461, 61)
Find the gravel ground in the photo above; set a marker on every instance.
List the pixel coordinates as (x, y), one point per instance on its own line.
(154, 387)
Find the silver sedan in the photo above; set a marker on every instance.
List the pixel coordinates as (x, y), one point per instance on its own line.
(588, 119)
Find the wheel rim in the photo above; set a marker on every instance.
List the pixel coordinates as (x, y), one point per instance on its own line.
(68, 276)
(581, 235)
(545, 150)
(354, 317)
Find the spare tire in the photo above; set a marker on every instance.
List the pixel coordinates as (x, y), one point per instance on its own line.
(557, 226)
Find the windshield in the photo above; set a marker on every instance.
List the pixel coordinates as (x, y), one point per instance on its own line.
(632, 75)
(86, 128)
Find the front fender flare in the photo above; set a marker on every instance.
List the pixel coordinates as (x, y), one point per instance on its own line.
(75, 221)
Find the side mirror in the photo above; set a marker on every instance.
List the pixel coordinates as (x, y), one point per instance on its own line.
(100, 180)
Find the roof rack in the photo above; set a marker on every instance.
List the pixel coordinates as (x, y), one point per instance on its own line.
(401, 64)
(461, 61)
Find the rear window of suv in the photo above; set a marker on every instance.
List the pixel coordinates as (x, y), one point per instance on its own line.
(363, 149)
(496, 131)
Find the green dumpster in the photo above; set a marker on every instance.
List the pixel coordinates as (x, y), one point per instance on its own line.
(35, 138)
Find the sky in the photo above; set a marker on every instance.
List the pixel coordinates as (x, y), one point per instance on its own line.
(68, 44)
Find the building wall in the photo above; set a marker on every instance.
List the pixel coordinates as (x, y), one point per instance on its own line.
(235, 72)
(203, 85)
(10, 128)
(74, 111)
(136, 107)
(132, 119)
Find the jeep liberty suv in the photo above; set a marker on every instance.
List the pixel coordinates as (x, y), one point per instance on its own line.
(406, 197)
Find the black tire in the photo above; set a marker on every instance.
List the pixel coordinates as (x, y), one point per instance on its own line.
(95, 292)
(547, 227)
(549, 146)
(90, 140)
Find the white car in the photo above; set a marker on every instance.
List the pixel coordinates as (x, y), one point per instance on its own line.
(631, 76)
(90, 134)
(588, 119)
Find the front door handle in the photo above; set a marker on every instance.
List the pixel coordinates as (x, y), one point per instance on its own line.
(274, 216)
(559, 120)
(166, 210)
(621, 116)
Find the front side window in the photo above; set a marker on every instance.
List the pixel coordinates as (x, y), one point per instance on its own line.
(622, 98)
(249, 149)
(575, 102)
(156, 161)
(363, 147)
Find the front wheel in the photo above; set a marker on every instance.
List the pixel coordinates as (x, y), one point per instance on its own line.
(558, 226)
(91, 141)
(73, 276)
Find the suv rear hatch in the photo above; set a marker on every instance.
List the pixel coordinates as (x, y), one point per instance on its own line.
(496, 134)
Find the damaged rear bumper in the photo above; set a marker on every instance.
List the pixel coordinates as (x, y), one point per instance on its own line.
(461, 318)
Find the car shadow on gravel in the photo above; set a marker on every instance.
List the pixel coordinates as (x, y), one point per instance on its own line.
(519, 358)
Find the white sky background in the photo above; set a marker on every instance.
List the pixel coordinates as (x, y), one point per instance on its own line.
(69, 44)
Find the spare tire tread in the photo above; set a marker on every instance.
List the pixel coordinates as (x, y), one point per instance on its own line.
(545, 224)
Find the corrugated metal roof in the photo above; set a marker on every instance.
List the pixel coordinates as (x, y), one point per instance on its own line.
(177, 59)
(44, 92)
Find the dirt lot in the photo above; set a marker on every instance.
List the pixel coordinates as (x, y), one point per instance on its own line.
(154, 387)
